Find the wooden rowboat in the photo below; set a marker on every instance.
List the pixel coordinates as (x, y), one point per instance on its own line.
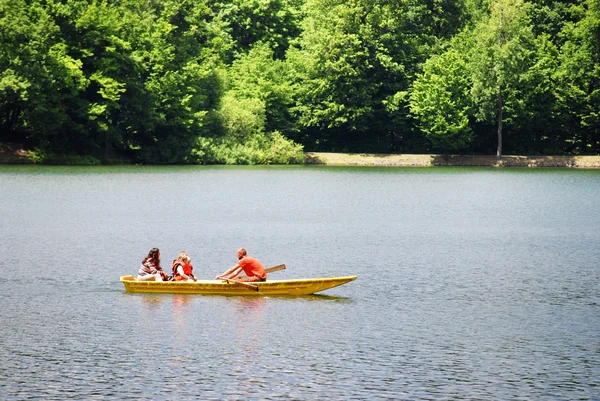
(217, 287)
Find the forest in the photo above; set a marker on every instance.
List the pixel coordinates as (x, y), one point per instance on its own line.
(263, 81)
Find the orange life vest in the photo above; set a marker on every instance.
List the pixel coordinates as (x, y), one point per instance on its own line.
(187, 269)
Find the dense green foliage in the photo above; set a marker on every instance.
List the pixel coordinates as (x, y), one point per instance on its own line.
(259, 81)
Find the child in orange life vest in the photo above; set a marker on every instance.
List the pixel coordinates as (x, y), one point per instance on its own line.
(182, 268)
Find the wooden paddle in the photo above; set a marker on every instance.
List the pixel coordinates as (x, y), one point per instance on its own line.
(251, 286)
(270, 270)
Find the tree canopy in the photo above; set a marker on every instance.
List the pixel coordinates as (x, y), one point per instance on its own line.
(261, 81)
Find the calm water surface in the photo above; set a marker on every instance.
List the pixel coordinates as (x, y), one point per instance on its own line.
(478, 284)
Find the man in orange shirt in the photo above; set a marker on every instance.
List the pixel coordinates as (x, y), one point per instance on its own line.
(249, 265)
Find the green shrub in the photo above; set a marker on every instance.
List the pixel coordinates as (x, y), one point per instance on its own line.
(271, 148)
(40, 156)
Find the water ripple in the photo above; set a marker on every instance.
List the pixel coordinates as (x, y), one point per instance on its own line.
(473, 284)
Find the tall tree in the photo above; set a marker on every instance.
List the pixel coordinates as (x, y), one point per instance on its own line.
(252, 113)
(152, 72)
(260, 75)
(440, 100)
(579, 77)
(503, 51)
(353, 59)
(37, 74)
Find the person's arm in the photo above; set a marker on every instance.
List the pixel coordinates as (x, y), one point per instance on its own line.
(181, 273)
(152, 268)
(162, 273)
(192, 277)
(230, 273)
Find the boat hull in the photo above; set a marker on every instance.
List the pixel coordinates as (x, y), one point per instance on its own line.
(217, 287)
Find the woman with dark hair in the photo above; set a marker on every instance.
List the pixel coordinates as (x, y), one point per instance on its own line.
(150, 269)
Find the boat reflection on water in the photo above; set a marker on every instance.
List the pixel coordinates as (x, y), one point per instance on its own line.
(180, 300)
(180, 313)
(151, 300)
(250, 339)
(249, 308)
(322, 298)
(244, 306)
(182, 327)
(249, 318)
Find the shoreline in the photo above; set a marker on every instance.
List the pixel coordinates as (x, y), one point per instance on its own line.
(433, 160)
(16, 155)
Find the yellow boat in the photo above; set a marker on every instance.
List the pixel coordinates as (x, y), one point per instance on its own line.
(231, 287)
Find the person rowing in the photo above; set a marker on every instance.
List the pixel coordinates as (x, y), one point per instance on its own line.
(249, 265)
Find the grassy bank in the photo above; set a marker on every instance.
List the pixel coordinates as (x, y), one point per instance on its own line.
(13, 154)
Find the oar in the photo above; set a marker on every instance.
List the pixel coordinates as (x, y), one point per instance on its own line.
(251, 286)
(270, 270)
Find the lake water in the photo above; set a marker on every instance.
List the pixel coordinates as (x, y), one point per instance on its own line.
(479, 284)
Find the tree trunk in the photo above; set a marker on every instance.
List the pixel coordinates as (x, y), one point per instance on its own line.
(500, 110)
